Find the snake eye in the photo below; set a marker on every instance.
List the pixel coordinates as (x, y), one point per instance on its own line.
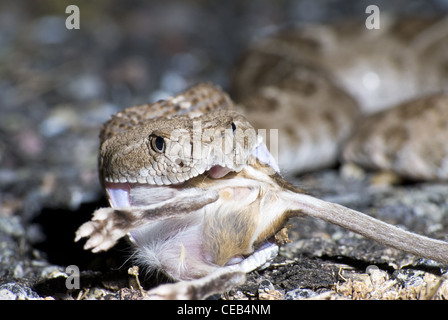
(233, 127)
(157, 144)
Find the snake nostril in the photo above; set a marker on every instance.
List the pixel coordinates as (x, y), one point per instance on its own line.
(179, 162)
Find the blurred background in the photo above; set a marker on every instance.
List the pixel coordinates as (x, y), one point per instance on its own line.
(57, 86)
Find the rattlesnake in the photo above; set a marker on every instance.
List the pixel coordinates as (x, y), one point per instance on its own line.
(196, 190)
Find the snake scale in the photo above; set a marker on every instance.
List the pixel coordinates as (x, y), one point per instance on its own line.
(196, 190)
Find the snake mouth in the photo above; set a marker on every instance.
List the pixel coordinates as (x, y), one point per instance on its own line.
(119, 194)
(217, 172)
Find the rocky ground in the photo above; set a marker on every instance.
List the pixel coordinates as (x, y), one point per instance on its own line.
(56, 88)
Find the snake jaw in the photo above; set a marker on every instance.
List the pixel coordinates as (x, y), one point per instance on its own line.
(218, 171)
(214, 168)
(118, 194)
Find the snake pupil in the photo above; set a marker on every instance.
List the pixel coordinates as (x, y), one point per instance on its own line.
(158, 144)
(233, 127)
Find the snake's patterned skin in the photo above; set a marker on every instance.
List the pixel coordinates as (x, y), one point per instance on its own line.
(315, 84)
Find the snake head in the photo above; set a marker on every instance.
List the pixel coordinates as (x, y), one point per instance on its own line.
(174, 140)
(171, 151)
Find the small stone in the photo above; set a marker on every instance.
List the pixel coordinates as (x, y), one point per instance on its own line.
(298, 294)
(266, 291)
(16, 291)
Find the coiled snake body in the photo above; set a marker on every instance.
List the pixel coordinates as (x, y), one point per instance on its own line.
(319, 84)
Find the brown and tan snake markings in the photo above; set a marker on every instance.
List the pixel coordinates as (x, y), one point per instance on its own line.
(315, 83)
